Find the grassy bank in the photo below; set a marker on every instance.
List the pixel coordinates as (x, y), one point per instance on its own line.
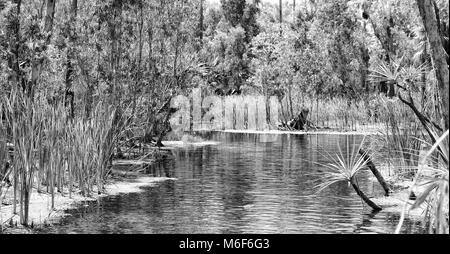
(45, 209)
(47, 150)
(51, 159)
(417, 173)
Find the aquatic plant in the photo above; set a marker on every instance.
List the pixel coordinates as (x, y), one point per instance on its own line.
(345, 168)
(52, 151)
(5, 169)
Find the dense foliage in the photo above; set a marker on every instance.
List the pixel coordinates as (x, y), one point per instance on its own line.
(357, 58)
(138, 54)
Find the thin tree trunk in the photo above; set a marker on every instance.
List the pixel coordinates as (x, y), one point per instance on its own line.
(281, 11)
(200, 23)
(15, 48)
(291, 109)
(37, 63)
(293, 13)
(49, 15)
(423, 80)
(363, 196)
(375, 172)
(281, 17)
(438, 56)
(69, 94)
(138, 75)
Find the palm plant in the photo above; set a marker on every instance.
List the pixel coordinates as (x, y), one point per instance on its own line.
(407, 79)
(435, 183)
(345, 169)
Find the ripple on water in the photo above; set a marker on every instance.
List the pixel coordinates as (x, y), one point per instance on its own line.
(247, 184)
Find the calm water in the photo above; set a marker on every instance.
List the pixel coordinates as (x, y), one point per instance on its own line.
(250, 183)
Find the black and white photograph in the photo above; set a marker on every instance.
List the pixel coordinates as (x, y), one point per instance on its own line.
(239, 119)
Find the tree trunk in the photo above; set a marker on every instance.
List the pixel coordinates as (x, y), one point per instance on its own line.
(49, 15)
(388, 46)
(200, 23)
(428, 14)
(37, 63)
(14, 44)
(115, 47)
(138, 76)
(363, 196)
(375, 172)
(293, 13)
(69, 94)
(291, 108)
(364, 67)
(281, 11)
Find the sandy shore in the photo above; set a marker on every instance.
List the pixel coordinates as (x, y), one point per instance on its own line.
(311, 132)
(175, 144)
(396, 201)
(399, 197)
(41, 213)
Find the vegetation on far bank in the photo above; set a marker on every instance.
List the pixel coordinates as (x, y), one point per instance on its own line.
(82, 81)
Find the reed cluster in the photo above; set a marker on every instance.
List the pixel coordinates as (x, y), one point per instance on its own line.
(43, 147)
(356, 115)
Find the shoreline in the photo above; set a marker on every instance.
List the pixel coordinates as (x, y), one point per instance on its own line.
(399, 195)
(321, 132)
(41, 213)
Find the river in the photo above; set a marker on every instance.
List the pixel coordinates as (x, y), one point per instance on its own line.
(248, 183)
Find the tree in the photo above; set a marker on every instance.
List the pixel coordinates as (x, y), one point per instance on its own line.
(428, 15)
(38, 61)
(69, 95)
(233, 10)
(201, 21)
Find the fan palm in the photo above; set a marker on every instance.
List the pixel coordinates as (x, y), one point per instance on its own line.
(345, 169)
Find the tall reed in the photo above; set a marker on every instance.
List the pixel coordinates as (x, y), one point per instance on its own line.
(402, 137)
(53, 152)
(344, 114)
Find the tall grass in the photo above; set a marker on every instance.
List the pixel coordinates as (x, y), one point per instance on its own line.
(53, 152)
(434, 181)
(5, 169)
(402, 138)
(25, 124)
(350, 115)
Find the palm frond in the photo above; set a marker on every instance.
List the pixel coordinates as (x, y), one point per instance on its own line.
(342, 168)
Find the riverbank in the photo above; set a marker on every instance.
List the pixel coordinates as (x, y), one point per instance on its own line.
(127, 176)
(399, 198)
(40, 209)
(310, 132)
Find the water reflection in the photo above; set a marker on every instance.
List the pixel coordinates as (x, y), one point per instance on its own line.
(250, 183)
